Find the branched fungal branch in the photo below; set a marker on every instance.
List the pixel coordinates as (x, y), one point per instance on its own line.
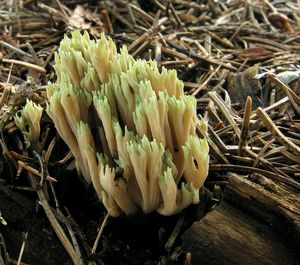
(28, 121)
(129, 126)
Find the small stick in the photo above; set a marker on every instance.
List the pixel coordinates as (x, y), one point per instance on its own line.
(223, 108)
(15, 49)
(22, 248)
(142, 13)
(262, 151)
(49, 57)
(207, 43)
(265, 162)
(239, 168)
(4, 257)
(9, 74)
(273, 8)
(35, 171)
(72, 236)
(201, 48)
(238, 30)
(2, 221)
(207, 80)
(141, 48)
(294, 99)
(63, 9)
(49, 150)
(143, 38)
(272, 107)
(252, 17)
(130, 13)
(291, 156)
(5, 95)
(52, 11)
(78, 232)
(107, 21)
(33, 54)
(212, 147)
(100, 232)
(139, 40)
(226, 43)
(199, 57)
(267, 21)
(29, 65)
(178, 20)
(276, 132)
(275, 150)
(245, 125)
(6, 91)
(188, 258)
(42, 166)
(68, 156)
(157, 52)
(217, 140)
(23, 158)
(119, 17)
(174, 234)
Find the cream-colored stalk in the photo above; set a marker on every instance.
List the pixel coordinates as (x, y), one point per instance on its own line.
(196, 161)
(174, 199)
(116, 188)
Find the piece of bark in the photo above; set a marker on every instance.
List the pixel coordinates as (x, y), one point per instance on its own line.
(254, 224)
(42, 245)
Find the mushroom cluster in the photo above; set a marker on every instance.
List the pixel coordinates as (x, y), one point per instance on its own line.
(130, 127)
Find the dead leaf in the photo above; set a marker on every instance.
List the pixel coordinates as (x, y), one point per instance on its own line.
(188, 18)
(242, 85)
(84, 19)
(280, 21)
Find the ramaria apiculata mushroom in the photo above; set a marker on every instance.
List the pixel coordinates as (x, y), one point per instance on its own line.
(130, 127)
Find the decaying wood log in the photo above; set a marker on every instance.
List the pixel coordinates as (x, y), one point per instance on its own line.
(254, 224)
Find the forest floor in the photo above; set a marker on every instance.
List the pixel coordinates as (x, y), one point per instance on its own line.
(240, 59)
